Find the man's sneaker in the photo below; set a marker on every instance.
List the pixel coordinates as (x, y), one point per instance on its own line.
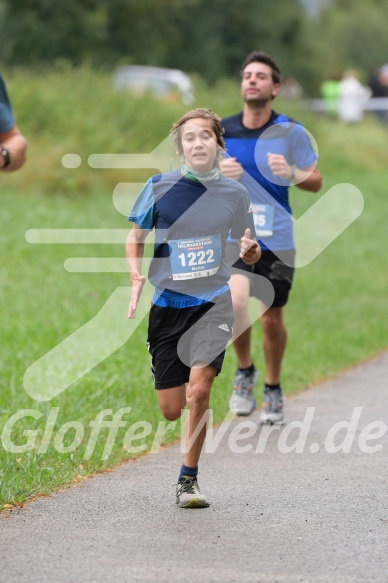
(188, 494)
(242, 401)
(272, 406)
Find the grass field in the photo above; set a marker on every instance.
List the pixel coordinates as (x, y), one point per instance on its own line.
(336, 316)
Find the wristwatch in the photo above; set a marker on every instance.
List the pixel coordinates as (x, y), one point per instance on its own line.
(6, 156)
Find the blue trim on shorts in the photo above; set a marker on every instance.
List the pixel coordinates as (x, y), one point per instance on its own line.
(170, 299)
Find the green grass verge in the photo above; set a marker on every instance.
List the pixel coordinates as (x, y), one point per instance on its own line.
(336, 315)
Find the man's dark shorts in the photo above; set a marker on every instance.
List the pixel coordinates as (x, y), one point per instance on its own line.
(277, 268)
(179, 338)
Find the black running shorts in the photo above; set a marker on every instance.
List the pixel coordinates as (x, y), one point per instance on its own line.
(179, 338)
(277, 269)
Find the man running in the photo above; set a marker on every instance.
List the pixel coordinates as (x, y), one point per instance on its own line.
(267, 152)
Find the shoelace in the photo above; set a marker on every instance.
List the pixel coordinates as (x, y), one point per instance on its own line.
(273, 401)
(188, 484)
(245, 385)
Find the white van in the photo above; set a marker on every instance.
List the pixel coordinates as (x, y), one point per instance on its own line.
(162, 82)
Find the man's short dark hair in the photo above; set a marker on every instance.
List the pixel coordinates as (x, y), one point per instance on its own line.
(260, 57)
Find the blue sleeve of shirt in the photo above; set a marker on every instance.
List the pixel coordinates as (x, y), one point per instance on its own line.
(143, 210)
(6, 118)
(303, 153)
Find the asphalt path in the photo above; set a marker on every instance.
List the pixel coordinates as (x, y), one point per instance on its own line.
(305, 503)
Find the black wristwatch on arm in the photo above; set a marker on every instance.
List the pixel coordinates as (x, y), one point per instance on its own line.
(6, 157)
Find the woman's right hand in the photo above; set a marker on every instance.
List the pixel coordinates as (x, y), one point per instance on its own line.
(231, 168)
(138, 282)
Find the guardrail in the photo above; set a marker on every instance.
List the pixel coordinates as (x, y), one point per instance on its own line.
(372, 104)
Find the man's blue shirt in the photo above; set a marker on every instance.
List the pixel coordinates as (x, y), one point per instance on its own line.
(269, 193)
(6, 118)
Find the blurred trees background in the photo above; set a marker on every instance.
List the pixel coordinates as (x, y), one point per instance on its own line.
(208, 37)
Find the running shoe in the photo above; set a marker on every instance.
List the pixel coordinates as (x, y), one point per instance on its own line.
(242, 401)
(188, 494)
(273, 411)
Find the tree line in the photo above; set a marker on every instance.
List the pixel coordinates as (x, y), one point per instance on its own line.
(208, 37)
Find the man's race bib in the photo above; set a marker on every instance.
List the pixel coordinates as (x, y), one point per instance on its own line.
(197, 257)
(263, 215)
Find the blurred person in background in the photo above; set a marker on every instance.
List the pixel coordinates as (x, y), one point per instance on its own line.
(268, 152)
(13, 144)
(352, 97)
(330, 94)
(378, 84)
(291, 89)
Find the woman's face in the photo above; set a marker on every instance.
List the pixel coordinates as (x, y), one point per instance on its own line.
(199, 144)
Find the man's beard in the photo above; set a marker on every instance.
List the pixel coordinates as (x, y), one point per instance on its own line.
(257, 102)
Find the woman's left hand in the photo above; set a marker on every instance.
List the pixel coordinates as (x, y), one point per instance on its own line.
(250, 250)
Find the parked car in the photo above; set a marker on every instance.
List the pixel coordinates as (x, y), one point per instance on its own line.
(162, 82)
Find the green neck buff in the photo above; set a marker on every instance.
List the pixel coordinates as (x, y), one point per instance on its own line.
(187, 172)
